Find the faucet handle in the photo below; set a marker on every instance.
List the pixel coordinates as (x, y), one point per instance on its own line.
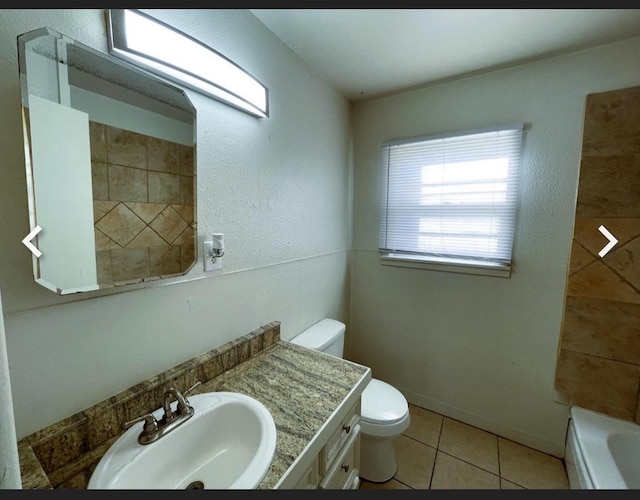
(191, 388)
(150, 424)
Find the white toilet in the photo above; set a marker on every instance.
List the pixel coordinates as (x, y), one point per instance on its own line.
(384, 410)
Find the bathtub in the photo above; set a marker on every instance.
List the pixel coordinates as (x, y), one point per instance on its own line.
(602, 452)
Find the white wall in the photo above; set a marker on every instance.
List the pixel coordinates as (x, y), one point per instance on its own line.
(481, 349)
(9, 462)
(478, 349)
(278, 188)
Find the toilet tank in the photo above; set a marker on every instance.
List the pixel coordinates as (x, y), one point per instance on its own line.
(327, 335)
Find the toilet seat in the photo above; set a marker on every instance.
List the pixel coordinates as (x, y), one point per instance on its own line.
(384, 410)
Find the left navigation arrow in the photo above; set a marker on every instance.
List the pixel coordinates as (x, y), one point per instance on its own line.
(27, 241)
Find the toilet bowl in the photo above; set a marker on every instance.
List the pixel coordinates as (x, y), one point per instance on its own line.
(384, 411)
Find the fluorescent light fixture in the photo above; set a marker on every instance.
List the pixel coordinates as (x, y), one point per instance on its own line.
(161, 49)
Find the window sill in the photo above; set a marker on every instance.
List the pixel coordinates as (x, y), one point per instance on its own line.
(446, 265)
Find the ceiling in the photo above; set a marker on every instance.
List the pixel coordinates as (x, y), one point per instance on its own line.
(367, 53)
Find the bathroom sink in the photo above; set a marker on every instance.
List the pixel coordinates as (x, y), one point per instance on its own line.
(228, 443)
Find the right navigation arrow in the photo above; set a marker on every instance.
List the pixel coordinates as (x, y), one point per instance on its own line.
(612, 241)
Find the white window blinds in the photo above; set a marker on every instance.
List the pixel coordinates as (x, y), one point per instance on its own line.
(452, 197)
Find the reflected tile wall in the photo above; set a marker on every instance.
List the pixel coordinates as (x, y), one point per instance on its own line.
(144, 205)
(598, 364)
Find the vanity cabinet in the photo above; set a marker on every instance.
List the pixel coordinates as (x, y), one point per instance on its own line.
(318, 426)
(337, 464)
(343, 471)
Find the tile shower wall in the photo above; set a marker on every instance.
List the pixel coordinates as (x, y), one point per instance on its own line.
(598, 364)
(144, 207)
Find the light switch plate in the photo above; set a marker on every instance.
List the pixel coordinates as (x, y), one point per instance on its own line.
(209, 263)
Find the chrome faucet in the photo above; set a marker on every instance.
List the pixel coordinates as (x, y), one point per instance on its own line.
(183, 408)
(154, 429)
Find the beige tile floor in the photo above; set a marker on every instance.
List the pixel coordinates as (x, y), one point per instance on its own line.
(437, 452)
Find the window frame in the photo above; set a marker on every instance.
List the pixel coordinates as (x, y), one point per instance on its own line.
(482, 265)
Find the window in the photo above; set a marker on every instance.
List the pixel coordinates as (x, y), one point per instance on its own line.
(449, 201)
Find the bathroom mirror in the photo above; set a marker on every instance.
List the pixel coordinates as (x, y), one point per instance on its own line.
(111, 172)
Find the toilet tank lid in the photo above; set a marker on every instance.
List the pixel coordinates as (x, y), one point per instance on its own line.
(320, 335)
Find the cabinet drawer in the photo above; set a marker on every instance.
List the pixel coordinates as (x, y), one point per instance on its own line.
(343, 471)
(343, 432)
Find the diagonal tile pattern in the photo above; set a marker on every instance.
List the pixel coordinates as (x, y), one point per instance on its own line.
(144, 207)
(121, 225)
(599, 353)
(437, 452)
(168, 224)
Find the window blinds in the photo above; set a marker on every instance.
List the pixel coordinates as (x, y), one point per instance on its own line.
(452, 196)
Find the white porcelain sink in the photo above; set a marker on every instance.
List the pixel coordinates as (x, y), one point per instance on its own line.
(229, 443)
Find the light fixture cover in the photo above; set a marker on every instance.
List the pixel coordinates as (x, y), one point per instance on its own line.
(144, 41)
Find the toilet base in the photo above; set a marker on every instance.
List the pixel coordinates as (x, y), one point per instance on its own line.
(377, 458)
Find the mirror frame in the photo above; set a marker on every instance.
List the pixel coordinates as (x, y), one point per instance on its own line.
(157, 219)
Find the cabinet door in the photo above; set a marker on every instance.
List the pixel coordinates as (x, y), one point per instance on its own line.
(63, 197)
(309, 480)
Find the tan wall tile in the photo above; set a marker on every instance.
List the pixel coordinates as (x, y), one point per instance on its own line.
(601, 309)
(99, 181)
(187, 212)
(587, 234)
(623, 259)
(609, 187)
(186, 237)
(599, 282)
(121, 225)
(164, 188)
(102, 208)
(168, 224)
(127, 184)
(603, 328)
(146, 211)
(163, 156)
(147, 238)
(126, 148)
(164, 260)
(146, 173)
(187, 256)
(187, 187)
(103, 242)
(611, 123)
(186, 156)
(599, 384)
(129, 263)
(580, 257)
(103, 266)
(98, 141)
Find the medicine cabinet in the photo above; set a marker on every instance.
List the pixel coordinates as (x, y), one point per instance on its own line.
(110, 157)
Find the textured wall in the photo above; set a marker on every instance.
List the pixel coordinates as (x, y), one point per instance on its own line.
(480, 349)
(278, 188)
(599, 359)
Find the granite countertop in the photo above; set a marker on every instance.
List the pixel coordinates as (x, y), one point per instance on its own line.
(301, 388)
